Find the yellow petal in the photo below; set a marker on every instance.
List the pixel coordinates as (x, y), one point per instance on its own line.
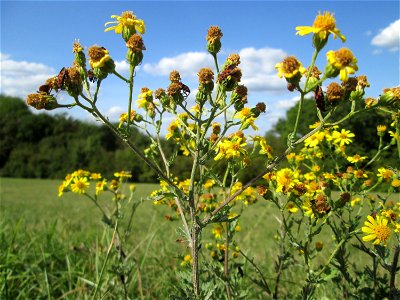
(367, 230)
(372, 220)
(368, 238)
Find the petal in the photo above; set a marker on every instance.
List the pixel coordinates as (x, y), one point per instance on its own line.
(368, 238)
(372, 220)
(367, 230)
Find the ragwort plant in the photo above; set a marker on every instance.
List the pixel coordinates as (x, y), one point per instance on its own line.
(208, 204)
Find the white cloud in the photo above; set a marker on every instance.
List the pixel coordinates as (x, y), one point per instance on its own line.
(19, 78)
(122, 66)
(114, 112)
(368, 33)
(388, 37)
(258, 67)
(188, 64)
(287, 103)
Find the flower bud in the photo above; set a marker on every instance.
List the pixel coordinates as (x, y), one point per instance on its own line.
(80, 57)
(213, 38)
(381, 129)
(390, 98)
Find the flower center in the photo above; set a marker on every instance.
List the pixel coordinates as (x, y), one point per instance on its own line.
(325, 22)
(290, 64)
(344, 56)
(382, 232)
(80, 185)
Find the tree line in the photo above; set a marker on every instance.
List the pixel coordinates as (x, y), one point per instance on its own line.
(51, 146)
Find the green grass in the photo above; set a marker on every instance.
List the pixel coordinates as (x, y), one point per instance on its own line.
(53, 248)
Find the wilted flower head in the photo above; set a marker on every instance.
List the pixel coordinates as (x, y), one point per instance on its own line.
(174, 76)
(127, 24)
(341, 61)
(42, 100)
(213, 38)
(135, 43)
(334, 92)
(206, 75)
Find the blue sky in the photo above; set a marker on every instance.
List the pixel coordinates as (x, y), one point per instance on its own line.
(36, 41)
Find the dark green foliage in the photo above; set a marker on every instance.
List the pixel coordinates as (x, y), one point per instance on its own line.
(45, 146)
(363, 125)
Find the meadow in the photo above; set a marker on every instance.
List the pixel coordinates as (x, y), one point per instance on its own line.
(53, 248)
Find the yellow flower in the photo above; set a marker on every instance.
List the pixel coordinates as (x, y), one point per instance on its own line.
(356, 158)
(285, 179)
(394, 135)
(187, 260)
(79, 185)
(98, 56)
(344, 61)
(126, 20)
(291, 207)
(314, 140)
(230, 149)
(209, 184)
(343, 137)
(100, 186)
(355, 201)
(123, 174)
(376, 230)
(290, 67)
(395, 183)
(385, 174)
(324, 24)
(217, 231)
(62, 188)
(95, 176)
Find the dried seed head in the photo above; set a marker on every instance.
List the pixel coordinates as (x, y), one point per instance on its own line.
(135, 43)
(299, 189)
(315, 72)
(334, 92)
(350, 85)
(241, 90)
(234, 59)
(262, 190)
(214, 34)
(213, 137)
(174, 76)
(173, 88)
(159, 93)
(41, 100)
(321, 205)
(206, 75)
(216, 128)
(362, 81)
(345, 197)
(261, 107)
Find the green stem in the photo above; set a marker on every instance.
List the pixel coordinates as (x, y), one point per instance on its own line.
(105, 261)
(122, 77)
(216, 62)
(132, 70)
(296, 124)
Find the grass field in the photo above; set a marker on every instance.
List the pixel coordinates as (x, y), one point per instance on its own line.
(53, 248)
